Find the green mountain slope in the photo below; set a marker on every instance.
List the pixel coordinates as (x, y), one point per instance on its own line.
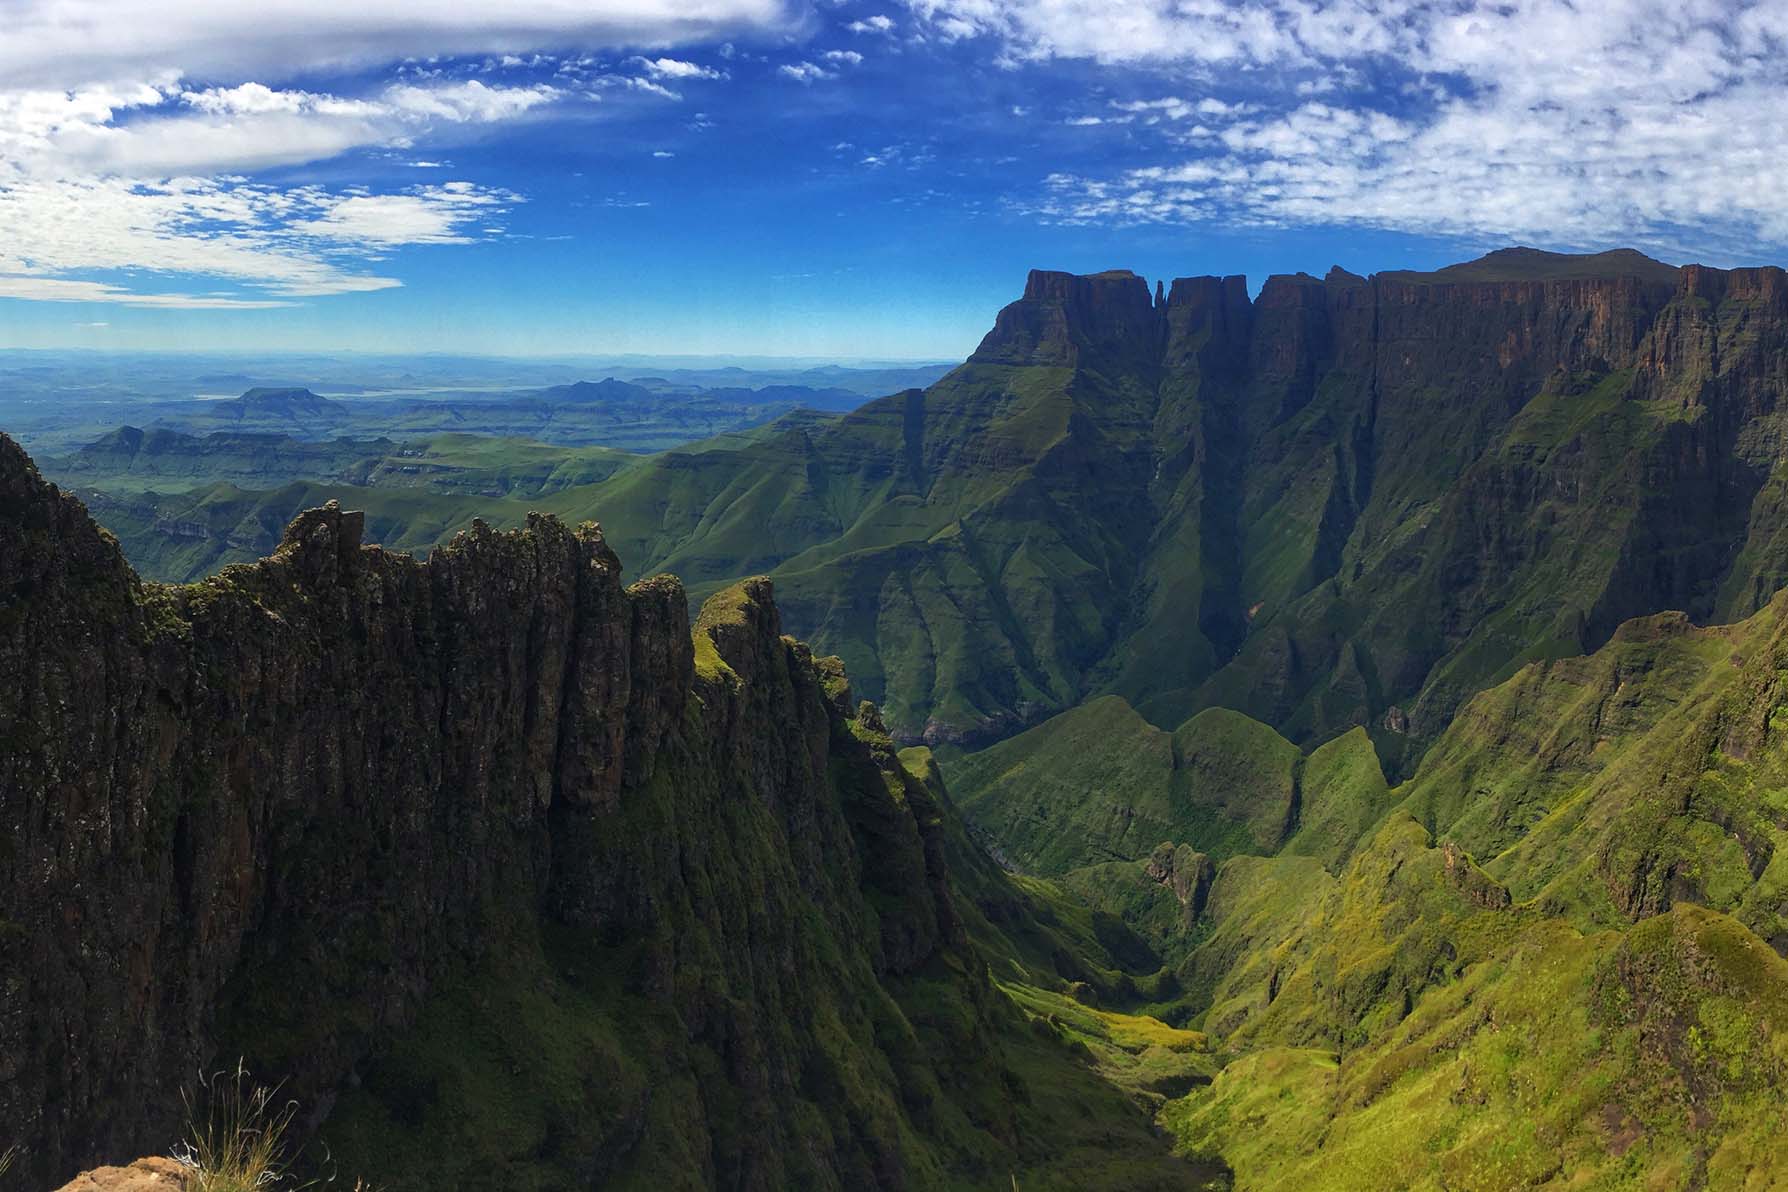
(1596, 1000)
(1099, 783)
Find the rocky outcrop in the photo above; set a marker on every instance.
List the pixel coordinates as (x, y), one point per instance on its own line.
(1479, 888)
(1186, 872)
(145, 1175)
(277, 813)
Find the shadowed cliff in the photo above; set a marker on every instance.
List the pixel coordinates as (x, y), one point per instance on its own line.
(513, 881)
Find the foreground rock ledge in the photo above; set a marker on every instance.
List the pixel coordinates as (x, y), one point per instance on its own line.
(145, 1175)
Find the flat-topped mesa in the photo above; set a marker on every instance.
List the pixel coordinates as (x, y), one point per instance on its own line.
(281, 403)
(1522, 311)
(1065, 319)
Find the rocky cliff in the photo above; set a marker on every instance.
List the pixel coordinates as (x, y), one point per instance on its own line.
(1350, 501)
(513, 880)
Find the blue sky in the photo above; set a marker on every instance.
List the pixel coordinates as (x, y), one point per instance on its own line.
(855, 180)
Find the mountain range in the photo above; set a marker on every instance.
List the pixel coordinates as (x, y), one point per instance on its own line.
(1346, 501)
(1343, 725)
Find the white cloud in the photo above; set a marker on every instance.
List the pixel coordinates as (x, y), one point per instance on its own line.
(111, 163)
(284, 244)
(229, 130)
(248, 99)
(848, 57)
(672, 68)
(67, 43)
(82, 191)
(1566, 123)
(1147, 30)
(648, 86)
(432, 215)
(877, 24)
(662, 153)
(46, 289)
(468, 102)
(804, 72)
(1174, 108)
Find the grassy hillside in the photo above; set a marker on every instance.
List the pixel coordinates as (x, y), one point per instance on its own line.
(1099, 783)
(1552, 955)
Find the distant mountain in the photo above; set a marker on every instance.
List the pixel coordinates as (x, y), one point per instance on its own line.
(130, 456)
(869, 380)
(606, 390)
(795, 396)
(293, 405)
(57, 401)
(1532, 264)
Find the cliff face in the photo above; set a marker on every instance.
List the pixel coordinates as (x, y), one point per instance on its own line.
(1356, 500)
(292, 812)
(190, 770)
(1068, 320)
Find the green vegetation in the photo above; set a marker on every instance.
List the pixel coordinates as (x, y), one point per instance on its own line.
(1099, 783)
(550, 1064)
(1597, 1005)
(1647, 1061)
(238, 1137)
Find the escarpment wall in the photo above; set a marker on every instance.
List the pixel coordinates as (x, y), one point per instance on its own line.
(1526, 449)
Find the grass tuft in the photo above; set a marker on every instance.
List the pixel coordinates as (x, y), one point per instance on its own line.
(237, 1136)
